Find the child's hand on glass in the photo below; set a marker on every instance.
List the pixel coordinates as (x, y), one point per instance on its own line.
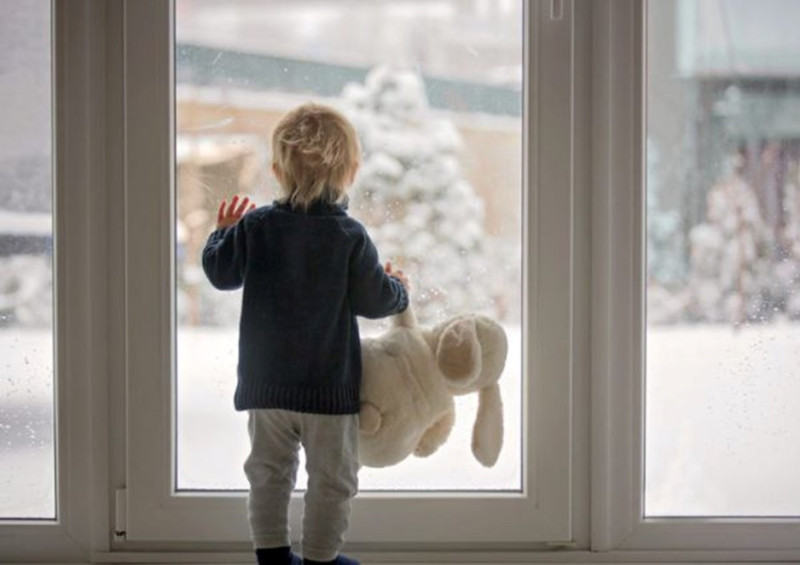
(397, 274)
(229, 215)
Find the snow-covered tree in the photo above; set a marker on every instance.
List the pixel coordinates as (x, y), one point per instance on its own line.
(410, 191)
(731, 265)
(786, 271)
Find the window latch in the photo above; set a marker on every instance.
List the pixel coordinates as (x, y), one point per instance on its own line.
(556, 10)
(120, 514)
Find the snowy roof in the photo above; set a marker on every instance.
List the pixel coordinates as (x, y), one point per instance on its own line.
(760, 115)
(25, 223)
(225, 69)
(211, 149)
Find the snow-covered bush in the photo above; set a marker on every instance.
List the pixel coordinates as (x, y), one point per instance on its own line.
(419, 209)
(26, 290)
(666, 305)
(731, 262)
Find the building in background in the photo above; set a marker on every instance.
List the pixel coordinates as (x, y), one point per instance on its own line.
(723, 123)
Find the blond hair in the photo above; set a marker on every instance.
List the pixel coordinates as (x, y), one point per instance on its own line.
(316, 152)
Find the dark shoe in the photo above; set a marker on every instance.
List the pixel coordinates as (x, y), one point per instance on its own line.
(277, 556)
(340, 560)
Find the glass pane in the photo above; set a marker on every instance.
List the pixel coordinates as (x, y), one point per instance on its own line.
(434, 89)
(27, 454)
(723, 259)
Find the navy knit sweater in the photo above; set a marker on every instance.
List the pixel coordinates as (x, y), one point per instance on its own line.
(306, 277)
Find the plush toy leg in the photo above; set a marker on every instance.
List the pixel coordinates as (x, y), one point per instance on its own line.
(435, 436)
(369, 419)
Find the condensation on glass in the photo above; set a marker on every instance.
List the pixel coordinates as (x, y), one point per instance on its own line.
(723, 259)
(434, 90)
(27, 454)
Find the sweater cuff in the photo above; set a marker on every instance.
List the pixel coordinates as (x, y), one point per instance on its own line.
(404, 299)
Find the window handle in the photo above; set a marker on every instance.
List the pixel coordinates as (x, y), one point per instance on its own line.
(556, 9)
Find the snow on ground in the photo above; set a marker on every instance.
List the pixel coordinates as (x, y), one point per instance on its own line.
(723, 421)
(722, 414)
(27, 471)
(213, 443)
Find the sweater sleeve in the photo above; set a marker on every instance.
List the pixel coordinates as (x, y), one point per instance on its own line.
(224, 257)
(373, 293)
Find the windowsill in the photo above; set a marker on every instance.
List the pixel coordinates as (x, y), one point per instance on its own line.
(556, 555)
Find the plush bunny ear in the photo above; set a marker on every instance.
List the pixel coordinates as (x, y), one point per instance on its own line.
(487, 434)
(459, 353)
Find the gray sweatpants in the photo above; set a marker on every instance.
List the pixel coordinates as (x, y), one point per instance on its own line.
(331, 449)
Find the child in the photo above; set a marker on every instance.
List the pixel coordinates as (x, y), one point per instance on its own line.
(308, 270)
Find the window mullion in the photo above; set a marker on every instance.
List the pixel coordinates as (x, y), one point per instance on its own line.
(616, 268)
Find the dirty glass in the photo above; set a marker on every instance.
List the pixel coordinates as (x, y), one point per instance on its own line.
(723, 259)
(435, 92)
(27, 455)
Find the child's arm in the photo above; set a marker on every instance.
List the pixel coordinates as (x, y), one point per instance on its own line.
(375, 292)
(225, 252)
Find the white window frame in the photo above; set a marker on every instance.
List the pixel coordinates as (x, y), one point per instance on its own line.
(618, 319)
(80, 286)
(541, 513)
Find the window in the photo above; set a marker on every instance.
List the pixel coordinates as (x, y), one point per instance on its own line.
(445, 81)
(53, 364)
(27, 449)
(722, 264)
(660, 398)
(225, 97)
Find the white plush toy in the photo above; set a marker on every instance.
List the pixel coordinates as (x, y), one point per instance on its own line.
(410, 376)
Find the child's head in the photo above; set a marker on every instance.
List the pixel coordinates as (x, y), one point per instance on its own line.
(315, 155)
